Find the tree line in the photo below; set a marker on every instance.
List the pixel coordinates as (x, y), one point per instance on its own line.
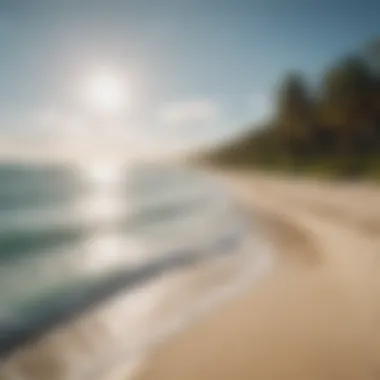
(332, 127)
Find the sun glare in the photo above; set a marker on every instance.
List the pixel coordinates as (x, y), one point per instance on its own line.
(104, 172)
(106, 92)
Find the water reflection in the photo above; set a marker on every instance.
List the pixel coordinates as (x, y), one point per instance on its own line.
(106, 247)
(104, 174)
(106, 252)
(101, 206)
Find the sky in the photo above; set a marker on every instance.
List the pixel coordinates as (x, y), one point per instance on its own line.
(196, 71)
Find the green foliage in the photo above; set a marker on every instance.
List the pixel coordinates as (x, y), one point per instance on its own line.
(332, 129)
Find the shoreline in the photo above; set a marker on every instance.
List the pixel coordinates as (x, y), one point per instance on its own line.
(201, 282)
(316, 316)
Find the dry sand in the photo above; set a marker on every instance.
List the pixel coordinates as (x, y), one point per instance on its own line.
(317, 315)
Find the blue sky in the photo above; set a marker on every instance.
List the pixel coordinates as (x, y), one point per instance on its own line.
(199, 70)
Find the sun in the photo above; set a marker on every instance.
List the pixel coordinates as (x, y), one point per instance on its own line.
(106, 92)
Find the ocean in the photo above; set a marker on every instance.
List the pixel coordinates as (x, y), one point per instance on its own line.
(73, 239)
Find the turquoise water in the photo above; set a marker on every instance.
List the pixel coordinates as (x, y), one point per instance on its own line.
(69, 237)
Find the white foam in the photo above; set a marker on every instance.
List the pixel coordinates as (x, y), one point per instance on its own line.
(253, 267)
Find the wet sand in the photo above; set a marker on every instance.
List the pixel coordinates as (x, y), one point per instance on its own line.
(317, 315)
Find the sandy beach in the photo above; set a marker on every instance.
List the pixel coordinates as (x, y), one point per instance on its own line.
(314, 313)
(317, 314)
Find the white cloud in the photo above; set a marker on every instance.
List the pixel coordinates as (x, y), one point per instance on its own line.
(55, 132)
(56, 121)
(189, 113)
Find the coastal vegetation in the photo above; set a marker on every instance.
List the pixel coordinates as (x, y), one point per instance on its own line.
(330, 128)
